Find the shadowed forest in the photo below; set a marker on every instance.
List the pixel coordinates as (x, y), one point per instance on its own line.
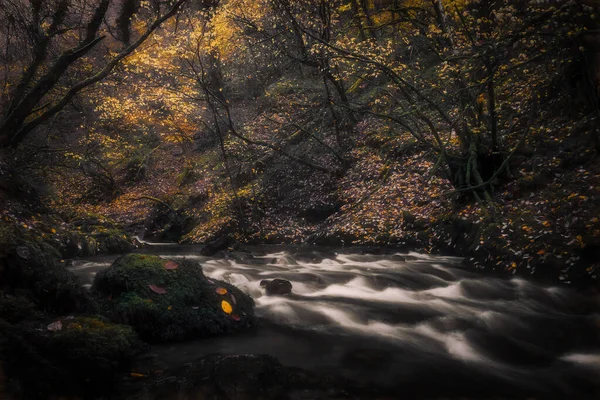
(393, 164)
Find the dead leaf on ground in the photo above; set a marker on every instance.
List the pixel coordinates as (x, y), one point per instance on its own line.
(221, 291)
(171, 265)
(157, 289)
(55, 326)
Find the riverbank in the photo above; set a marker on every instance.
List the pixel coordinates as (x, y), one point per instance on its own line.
(542, 222)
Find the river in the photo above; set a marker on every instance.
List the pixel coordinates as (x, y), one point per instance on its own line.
(412, 323)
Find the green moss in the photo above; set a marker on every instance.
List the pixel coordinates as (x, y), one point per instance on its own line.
(92, 343)
(189, 308)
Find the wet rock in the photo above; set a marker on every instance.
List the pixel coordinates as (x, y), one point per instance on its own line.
(226, 377)
(216, 245)
(43, 277)
(250, 376)
(278, 287)
(170, 304)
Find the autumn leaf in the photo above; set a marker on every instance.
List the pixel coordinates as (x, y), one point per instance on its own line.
(236, 317)
(170, 308)
(55, 326)
(541, 252)
(137, 375)
(226, 307)
(157, 289)
(171, 265)
(221, 291)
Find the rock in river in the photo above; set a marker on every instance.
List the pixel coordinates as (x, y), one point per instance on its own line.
(170, 300)
(277, 287)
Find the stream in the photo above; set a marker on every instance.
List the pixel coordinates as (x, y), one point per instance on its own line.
(411, 323)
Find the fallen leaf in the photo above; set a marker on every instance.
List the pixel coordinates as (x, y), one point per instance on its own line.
(170, 308)
(221, 291)
(236, 317)
(55, 326)
(137, 375)
(23, 252)
(541, 252)
(171, 265)
(157, 289)
(226, 307)
(233, 299)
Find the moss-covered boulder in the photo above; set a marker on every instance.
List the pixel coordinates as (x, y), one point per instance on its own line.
(68, 356)
(17, 308)
(35, 269)
(167, 300)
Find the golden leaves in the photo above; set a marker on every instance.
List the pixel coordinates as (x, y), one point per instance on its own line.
(226, 307)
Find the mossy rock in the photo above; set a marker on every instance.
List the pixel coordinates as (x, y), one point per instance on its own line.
(83, 356)
(14, 309)
(35, 267)
(166, 300)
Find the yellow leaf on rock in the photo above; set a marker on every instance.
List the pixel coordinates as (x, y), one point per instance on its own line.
(226, 307)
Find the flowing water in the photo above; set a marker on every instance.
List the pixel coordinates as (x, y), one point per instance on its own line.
(416, 323)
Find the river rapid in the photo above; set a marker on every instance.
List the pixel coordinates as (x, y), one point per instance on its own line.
(418, 325)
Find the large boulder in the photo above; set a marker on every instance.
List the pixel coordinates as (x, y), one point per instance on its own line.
(34, 268)
(68, 356)
(167, 300)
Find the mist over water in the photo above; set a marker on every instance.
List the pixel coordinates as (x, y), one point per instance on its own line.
(413, 322)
